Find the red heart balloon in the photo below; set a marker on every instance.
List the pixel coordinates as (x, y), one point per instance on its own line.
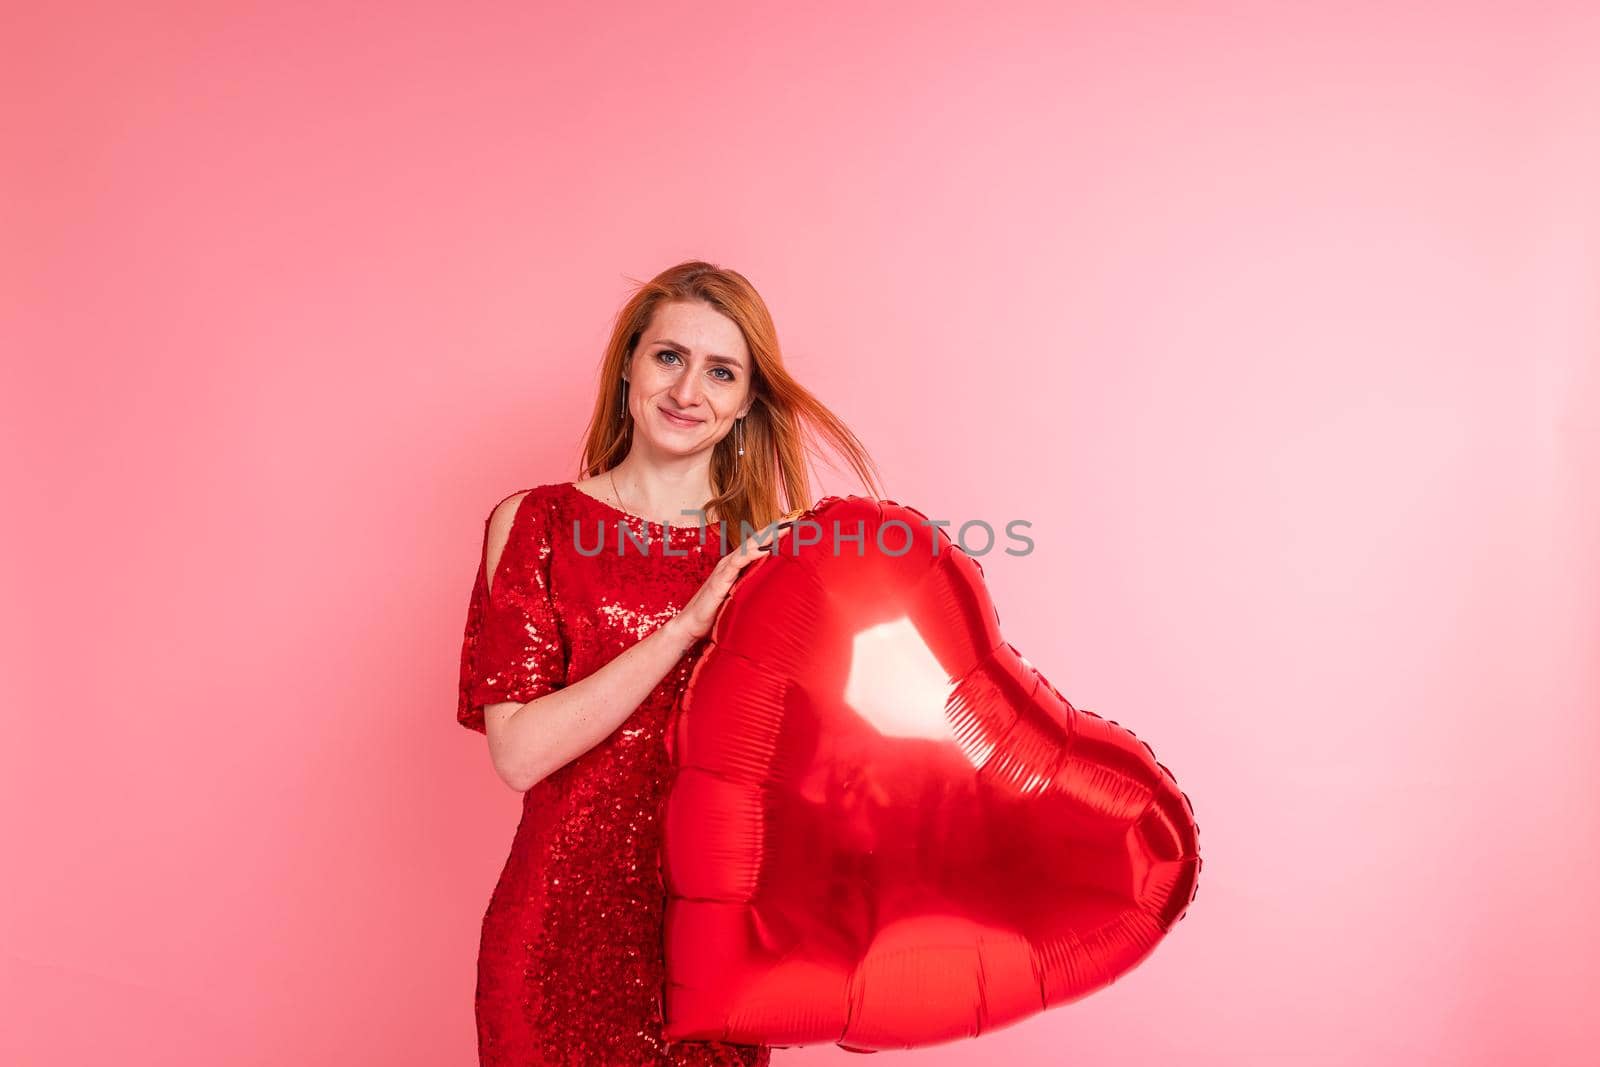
(884, 827)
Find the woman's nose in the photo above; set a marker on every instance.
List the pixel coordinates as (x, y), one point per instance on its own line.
(686, 391)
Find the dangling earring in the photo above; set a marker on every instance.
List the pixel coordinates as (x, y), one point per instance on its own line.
(739, 435)
(622, 400)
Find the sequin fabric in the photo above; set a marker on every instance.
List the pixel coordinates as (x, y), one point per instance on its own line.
(570, 963)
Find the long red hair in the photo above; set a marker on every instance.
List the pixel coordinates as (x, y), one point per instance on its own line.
(771, 480)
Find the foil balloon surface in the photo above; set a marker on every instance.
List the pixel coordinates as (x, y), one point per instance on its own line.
(884, 828)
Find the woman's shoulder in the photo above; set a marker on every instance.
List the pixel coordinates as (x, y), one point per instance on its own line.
(535, 502)
(525, 515)
(542, 493)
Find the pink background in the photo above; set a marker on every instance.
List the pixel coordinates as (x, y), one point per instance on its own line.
(1279, 326)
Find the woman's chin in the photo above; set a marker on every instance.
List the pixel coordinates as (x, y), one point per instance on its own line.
(677, 444)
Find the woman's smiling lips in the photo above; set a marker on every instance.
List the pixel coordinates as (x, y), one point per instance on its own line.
(679, 421)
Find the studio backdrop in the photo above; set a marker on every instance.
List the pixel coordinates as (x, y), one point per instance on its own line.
(1276, 323)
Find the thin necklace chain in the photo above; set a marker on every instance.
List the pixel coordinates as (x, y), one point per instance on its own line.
(613, 473)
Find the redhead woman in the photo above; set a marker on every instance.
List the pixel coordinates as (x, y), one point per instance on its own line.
(592, 599)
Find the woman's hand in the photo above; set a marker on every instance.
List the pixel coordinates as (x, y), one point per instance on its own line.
(694, 621)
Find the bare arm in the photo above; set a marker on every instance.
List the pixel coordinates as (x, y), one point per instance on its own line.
(529, 741)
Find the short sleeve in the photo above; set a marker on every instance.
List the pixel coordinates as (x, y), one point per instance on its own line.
(513, 647)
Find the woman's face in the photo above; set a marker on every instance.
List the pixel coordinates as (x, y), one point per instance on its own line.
(689, 378)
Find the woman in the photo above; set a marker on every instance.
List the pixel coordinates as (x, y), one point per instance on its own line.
(576, 648)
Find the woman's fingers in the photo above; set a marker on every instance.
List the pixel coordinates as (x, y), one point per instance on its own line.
(761, 542)
(702, 608)
(734, 566)
(746, 552)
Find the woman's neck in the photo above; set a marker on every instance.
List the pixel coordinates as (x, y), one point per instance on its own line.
(661, 493)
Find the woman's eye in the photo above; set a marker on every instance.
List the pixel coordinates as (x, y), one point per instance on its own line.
(667, 353)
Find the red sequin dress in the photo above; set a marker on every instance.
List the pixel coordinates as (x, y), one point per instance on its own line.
(570, 965)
